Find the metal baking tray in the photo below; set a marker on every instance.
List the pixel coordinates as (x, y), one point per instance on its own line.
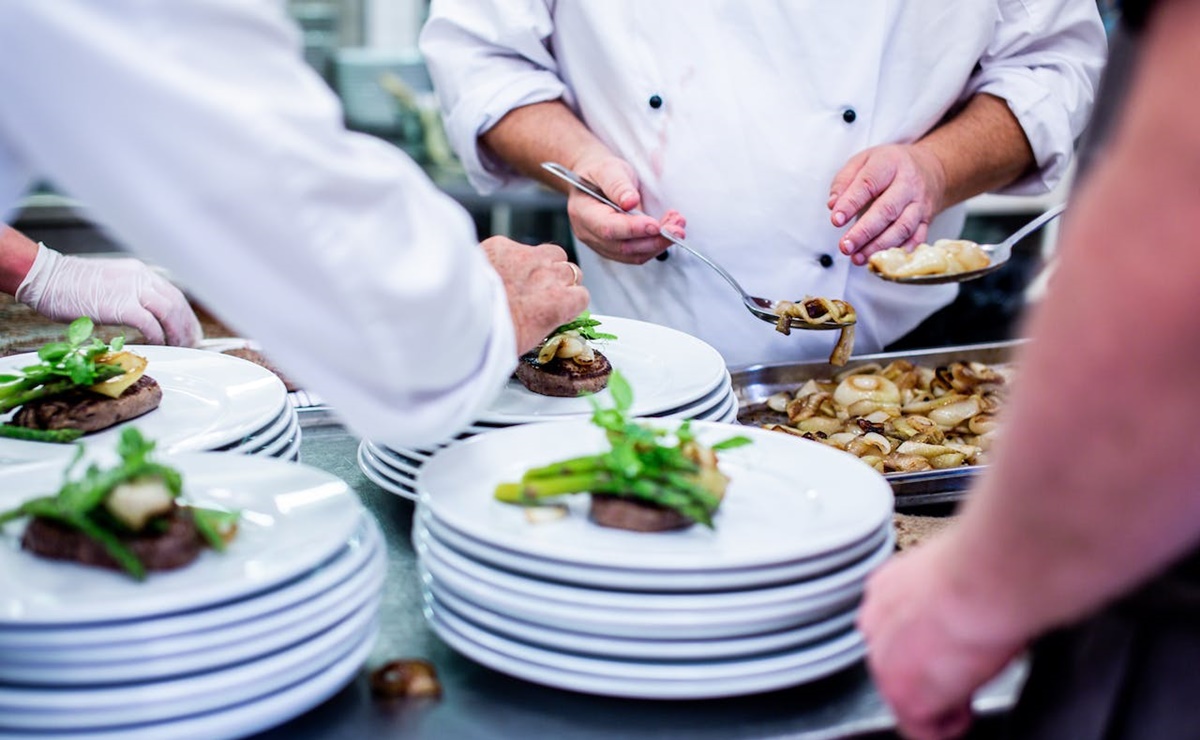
(754, 384)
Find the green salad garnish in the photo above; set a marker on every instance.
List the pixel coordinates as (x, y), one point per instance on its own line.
(80, 503)
(64, 365)
(645, 463)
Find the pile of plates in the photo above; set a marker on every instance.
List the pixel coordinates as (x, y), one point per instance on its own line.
(233, 643)
(210, 401)
(765, 600)
(673, 375)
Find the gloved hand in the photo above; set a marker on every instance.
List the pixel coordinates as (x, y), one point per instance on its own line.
(109, 291)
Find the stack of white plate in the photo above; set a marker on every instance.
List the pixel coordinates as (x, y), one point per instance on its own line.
(233, 643)
(210, 401)
(765, 600)
(673, 375)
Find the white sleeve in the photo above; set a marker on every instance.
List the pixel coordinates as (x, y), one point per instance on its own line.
(1045, 61)
(486, 58)
(195, 130)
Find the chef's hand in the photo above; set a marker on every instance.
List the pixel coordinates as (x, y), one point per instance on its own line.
(926, 651)
(544, 290)
(895, 190)
(109, 291)
(630, 239)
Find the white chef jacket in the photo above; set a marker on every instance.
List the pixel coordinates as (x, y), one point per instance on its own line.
(759, 105)
(195, 130)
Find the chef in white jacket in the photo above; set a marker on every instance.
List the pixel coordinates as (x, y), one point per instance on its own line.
(197, 133)
(788, 140)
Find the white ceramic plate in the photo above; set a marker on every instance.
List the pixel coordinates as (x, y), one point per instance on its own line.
(273, 431)
(208, 626)
(86, 708)
(659, 625)
(666, 368)
(632, 648)
(293, 518)
(394, 461)
(652, 670)
(641, 688)
(788, 499)
(370, 469)
(244, 719)
(712, 400)
(279, 446)
(197, 652)
(643, 603)
(209, 400)
(291, 453)
(660, 581)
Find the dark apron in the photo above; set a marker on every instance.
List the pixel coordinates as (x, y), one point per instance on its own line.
(1132, 670)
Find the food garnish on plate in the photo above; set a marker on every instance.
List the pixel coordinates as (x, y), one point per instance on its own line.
(943, 257)
(79, 385)
(649, 481)
(128, 517)
(817, 311)
(566, 364)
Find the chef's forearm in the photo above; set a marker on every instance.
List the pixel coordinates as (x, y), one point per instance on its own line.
(981, 148)
(17, 254)
(542, 132)
(1097, 482)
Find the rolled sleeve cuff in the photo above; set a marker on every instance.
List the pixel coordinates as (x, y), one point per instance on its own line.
(1045, 121)
(477, 114)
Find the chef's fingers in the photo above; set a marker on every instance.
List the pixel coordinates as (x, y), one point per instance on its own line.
(882, 227)
(590, 215)
(171, 309)
(845, 176)
(144, 320)
(952, 724)
(550, 252)
(869, 183)
(900, 234)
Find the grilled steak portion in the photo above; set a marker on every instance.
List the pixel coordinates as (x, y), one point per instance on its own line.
(90, 412)
(563, 376)
(637, 516)
(174, 548)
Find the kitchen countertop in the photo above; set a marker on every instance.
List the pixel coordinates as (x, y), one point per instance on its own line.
(478, 702)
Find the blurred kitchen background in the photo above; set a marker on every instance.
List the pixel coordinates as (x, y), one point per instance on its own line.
(367, 52)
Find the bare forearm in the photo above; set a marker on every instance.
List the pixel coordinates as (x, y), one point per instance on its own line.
(981, 148)
(1097, 482)
(542, 132)
(17, 253)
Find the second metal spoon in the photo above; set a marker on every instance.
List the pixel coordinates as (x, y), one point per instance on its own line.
(998, 255)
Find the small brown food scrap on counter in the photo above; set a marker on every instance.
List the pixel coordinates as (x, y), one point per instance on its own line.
(410, 678)
(817, 311)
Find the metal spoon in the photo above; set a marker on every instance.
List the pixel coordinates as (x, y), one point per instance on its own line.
(761, 307)
(998, 254)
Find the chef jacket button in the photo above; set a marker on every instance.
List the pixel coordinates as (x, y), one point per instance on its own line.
(655, 102)
(825, 260)
(849, 115)
(662, 256)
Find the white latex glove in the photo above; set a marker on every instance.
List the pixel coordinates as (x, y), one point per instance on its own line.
(109, 291)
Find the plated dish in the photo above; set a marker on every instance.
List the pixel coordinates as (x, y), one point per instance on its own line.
(292, 519)
(667, 368)
(788, 499)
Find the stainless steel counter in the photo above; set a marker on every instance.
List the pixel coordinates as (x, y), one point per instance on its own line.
(482, 703)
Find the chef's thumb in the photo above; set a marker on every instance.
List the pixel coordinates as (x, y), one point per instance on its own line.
(620, 184)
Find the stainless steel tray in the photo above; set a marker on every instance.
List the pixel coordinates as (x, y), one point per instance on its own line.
(754, 384)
